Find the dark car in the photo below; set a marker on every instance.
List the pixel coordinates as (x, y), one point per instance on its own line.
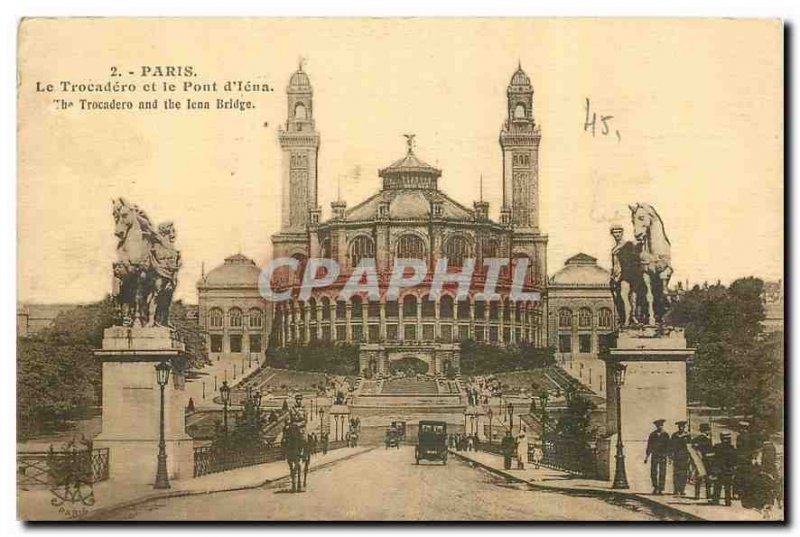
(432, 441)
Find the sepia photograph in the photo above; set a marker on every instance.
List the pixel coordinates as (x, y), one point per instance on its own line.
(400, 269)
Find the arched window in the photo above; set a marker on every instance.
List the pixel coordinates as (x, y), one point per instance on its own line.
(392, 309)
(410, 306)
(374, 309)
(462, 309)
(446, 307)
(215, 318)
(341, 310)
(256, 318)
(300, 111)
(604, 318)
(428, 307)
(362, 247)
(506, 310)
(480, 309)
(325, 249)
(522, 259)
(494, 310)
(235, 317)
(326, 308)
(519, 112)
(312, 309)
(565, 318)
(584, 318)
(489, 248)
(456, 250)
(410, 247)
(356, 308)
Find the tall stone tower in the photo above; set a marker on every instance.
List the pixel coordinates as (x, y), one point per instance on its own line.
(300, 144)
(519, 141)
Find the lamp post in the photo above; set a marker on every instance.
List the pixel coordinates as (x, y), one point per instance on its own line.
(320, 413)
(510, 407)
(225, 395)
(544, 397)
(162, 479)
(620, 477)
(490, 414)
(257, 398)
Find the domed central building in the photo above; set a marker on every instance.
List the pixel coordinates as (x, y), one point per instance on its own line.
(410, 217)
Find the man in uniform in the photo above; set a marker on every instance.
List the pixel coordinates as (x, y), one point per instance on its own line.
(508, 446)
(297, 414)
(702, 443)
(657, 451)
(680, 458)
(724, 467)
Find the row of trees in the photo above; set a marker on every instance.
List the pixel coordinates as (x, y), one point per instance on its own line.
(58, 377)
(738, 366)
(326, 357)
(484, 359)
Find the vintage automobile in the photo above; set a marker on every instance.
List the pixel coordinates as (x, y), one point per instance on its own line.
(431, 441)
(392, 439)
(400, 427)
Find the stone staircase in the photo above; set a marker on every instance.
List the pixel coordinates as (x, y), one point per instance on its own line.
(409, 386)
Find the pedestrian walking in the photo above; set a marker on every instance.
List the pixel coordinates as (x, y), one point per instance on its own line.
(507, 446)
(658, 444)
(703, 445)
(537, 455)
(724, 468)
(680, 458)
(522, 449)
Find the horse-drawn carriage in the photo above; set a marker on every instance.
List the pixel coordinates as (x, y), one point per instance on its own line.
(431, 441)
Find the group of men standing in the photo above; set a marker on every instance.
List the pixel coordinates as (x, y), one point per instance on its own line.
(747, 471)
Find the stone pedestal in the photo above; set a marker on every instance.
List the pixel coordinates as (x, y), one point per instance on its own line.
(654, 387)
(131, 404)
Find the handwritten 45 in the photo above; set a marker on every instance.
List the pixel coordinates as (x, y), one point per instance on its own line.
(605, 123)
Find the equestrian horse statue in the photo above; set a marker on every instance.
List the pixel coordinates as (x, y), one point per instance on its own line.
(654, 259)
(146, 270)
(295, 449)
(640, 271)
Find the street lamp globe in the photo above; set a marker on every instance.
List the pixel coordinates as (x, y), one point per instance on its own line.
(162, 373)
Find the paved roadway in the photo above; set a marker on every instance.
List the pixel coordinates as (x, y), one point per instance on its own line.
(387, 485)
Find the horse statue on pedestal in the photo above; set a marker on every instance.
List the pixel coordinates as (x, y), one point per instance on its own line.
(145, 273)
(298, 456)
(654, 258)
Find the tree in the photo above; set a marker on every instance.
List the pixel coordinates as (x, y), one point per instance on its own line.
(736, 367)
(574, 434)
(338, 359)
(192, 335)
(483, 358)
(59, 378)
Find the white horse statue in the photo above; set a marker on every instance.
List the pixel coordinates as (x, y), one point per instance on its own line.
(654, 257)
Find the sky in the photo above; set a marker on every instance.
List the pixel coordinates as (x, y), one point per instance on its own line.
(698, 104)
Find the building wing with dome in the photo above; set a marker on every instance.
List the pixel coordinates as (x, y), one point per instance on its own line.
(232, 311)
